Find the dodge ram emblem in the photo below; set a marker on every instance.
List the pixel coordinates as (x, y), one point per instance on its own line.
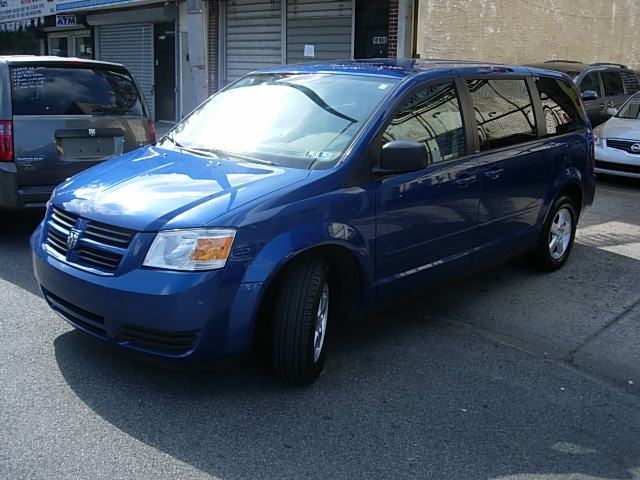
(92, 132)
(72, 239)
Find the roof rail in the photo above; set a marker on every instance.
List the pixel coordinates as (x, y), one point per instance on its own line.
(609, 64)
(562, 61)
(453, 60)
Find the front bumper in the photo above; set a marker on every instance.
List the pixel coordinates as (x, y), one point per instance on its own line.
(617, 162)
(13, 196)
(183, 316)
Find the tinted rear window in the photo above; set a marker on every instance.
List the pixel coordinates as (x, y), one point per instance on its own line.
(563, 112)
(612, 83)
(504, 112)
(45, 90)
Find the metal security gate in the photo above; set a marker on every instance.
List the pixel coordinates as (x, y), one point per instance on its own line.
(132, 46)
(322, 26)
(252, 36)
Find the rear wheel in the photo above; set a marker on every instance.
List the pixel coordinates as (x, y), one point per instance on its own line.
(558, 235)
(301, 317)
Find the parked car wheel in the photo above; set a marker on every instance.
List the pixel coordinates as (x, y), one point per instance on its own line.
(558, 235)
(301, 318)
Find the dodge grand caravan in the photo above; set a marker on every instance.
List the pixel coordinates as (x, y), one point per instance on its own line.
(59, 116)
(302, 195)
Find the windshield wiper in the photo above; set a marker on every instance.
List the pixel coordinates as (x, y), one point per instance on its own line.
(225, 153)
(199, 151)
(216, 152)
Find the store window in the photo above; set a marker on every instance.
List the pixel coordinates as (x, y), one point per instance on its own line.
(71, 44)
(59, 46)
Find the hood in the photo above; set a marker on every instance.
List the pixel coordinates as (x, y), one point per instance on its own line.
(623, 128)
(153, 188)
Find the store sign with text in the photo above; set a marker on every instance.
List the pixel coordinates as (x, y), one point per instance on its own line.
(66, 20)
(22, 12)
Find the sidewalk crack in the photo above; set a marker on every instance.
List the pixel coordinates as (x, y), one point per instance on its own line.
(594, 335)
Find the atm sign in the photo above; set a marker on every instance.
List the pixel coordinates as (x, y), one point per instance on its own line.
(66, 20)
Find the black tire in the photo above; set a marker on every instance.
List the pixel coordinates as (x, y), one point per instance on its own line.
(542, 257)
(294, 322)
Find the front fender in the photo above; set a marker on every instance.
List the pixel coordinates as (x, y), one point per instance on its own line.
(275, 255)
(282, 248)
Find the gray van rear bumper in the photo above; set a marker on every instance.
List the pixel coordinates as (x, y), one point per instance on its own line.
(12, 196)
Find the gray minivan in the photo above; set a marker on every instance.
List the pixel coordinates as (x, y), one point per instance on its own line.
(59, 116)
(602, 85)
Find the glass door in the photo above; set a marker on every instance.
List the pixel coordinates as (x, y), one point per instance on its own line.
(71, 44)
(83, 46)
(59, 46)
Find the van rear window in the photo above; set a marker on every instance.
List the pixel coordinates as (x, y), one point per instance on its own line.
(86, 90)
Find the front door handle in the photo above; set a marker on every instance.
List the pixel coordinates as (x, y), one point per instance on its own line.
(465, 180)
(494, 173)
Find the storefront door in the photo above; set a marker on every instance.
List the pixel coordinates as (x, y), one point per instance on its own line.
(164, 47)
(372, 29)
(71, 44)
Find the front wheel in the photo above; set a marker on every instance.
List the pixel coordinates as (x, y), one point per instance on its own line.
(558, 236)
(301, 318)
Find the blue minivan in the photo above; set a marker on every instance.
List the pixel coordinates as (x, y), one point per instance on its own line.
(301, 196)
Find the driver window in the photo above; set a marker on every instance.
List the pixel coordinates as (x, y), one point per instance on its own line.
(432, 116)
(591, 81)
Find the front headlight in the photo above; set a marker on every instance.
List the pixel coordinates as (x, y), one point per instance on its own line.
(597, 133)
(198, 249)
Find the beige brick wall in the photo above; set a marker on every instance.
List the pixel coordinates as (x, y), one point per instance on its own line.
(524, 31)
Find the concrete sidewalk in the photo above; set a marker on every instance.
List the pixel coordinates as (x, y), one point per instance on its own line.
(587, 314)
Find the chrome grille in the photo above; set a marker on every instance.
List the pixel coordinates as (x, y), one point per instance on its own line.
(622, 145)
(101, 233)
(100, 246)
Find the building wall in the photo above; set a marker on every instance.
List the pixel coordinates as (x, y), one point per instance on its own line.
(212, 35)
(524, 31)
(393, 28)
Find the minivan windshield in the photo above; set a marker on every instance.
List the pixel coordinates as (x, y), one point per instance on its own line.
(78, 89)
(631, 109)
(288, 119)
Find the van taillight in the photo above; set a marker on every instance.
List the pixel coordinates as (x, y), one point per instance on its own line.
(6, 141)
(152, 131)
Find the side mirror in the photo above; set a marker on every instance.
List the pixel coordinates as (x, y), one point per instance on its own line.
(612, 111)
(402, 156)
(589, 95)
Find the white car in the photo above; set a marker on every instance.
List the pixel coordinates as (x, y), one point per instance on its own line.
(618, 141)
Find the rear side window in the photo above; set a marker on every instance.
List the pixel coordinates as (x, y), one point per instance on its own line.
(431, 116)
(630, 80)
(612, 82)
(563, 112)
(45, 90)
(503, 111)
(591, 81)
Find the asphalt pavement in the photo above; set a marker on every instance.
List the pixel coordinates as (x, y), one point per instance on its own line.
(507, 374)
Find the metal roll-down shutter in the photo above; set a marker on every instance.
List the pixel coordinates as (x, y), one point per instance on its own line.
(253, 36)
(132, 46)
(325, 24)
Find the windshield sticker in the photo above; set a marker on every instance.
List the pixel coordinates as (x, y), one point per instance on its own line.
(383, 86)
(324, 156)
